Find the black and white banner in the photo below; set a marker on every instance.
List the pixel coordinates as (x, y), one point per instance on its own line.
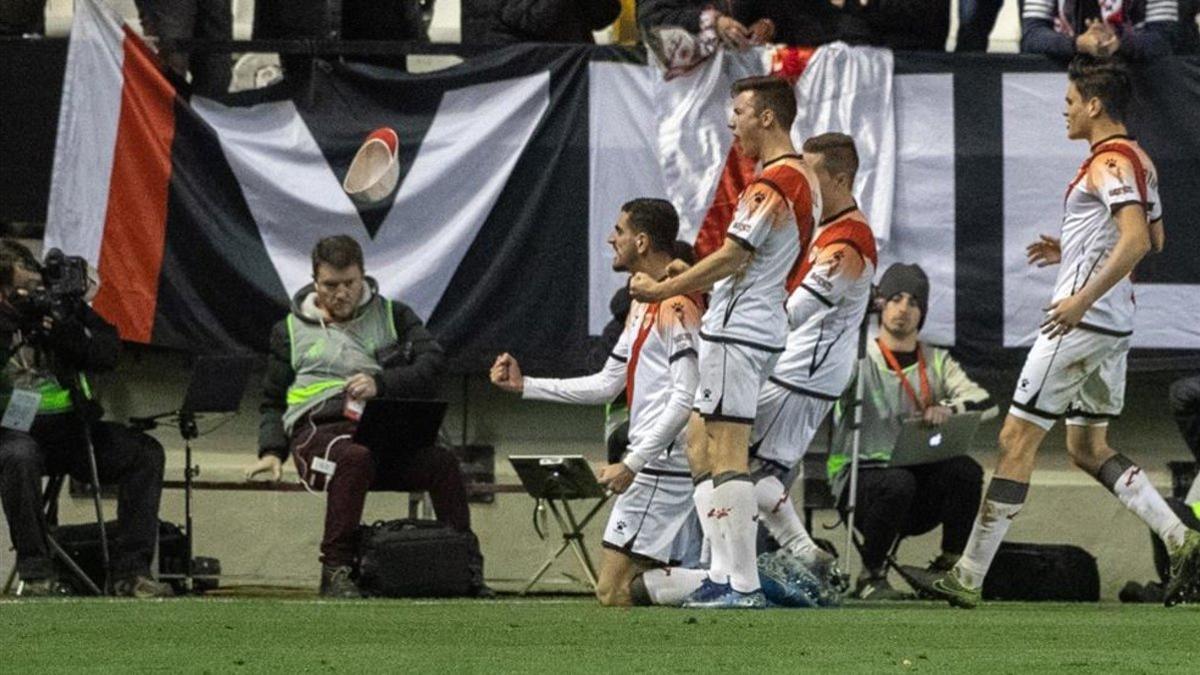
(513, 165)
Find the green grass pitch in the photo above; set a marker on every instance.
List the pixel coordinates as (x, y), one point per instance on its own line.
(575, 635)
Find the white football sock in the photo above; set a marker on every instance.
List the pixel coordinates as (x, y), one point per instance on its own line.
(718, 566)
(735, 513)
(778, 514)
(1002, 503)
(670, 586)
(1138, 495)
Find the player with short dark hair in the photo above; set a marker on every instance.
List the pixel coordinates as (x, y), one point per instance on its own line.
(1112, 217)
(743, 332)
(654, 362)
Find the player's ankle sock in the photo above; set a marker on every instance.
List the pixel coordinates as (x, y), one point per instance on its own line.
(1128, 482)
(1002, 503)
(777, 512)
(736, 516)
(718, 563)
(670, 586)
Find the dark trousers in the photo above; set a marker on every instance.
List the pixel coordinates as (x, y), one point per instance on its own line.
(56, 445)
(905, 501)
(1185, 405)
(434, 470)
(188, 19)
(976, 19)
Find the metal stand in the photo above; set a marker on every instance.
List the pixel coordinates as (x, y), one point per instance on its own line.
(189, 431)
(91, 452)
(186, 421)
(50, 508)
(572, 533)
(855, 445)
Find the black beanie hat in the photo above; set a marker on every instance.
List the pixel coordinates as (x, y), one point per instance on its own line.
(911, 279)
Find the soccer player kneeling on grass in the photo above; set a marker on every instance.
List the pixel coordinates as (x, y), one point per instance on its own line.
(654, 362)
(1112, 218)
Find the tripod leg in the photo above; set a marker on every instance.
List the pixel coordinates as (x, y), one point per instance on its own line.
(545, 567)
(577, 543)
(104, 553)
(75, 568)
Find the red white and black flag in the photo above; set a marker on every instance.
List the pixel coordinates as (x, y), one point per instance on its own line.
(200, 216)
(512, 167)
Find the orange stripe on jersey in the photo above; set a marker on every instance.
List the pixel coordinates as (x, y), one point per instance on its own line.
(1139, 171)
(850, 228)
(681, 310)
(1128, 152)
(792, 184)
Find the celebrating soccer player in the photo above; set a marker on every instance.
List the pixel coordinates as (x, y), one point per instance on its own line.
(654, 361)
(742, 333)
(1112, 217)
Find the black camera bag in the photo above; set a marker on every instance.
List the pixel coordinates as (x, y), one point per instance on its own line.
(1050, 572)
(410, 558)
(82, 543)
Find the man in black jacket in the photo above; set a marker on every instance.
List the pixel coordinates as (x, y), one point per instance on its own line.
(45, 356)
(342, 345)
(507, 21)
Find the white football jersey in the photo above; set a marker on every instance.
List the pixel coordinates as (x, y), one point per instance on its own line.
(1117, 173)
(825, 311)
(771, 220)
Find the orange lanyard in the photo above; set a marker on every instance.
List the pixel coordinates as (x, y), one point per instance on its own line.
(643, 332)
(926, 395)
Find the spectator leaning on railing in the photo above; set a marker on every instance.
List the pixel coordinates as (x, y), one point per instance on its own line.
(1137, 30)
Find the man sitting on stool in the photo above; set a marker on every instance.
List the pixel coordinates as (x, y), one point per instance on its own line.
(342, 345)
(44, 356)
(905, 378)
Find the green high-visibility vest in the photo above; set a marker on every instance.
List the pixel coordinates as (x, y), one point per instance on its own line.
(324, 355)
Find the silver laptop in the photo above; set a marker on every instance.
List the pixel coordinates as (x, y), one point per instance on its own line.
(919, 443)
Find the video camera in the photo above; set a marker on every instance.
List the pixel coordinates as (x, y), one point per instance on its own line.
(59, 297)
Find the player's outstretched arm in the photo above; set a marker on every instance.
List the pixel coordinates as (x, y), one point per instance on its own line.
(720, 264)
(1044, 252)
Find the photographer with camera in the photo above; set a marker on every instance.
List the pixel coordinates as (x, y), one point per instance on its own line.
(50, 336)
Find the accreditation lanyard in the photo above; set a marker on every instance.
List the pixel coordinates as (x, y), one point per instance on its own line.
(643, 332)
(926, 396)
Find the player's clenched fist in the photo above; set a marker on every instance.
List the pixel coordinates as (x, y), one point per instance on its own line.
(643, 287)
(506, 374)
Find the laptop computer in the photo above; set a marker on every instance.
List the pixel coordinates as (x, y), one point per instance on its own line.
(217, 384)
(557, 476)
(919, 443)
(390, 425)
